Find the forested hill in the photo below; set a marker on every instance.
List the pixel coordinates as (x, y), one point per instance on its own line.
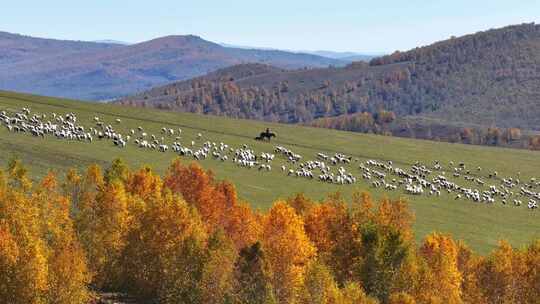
(489, 79)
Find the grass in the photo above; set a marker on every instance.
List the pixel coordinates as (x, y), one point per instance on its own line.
(481, 226)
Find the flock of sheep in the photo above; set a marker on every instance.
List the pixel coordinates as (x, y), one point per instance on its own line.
(419, 179)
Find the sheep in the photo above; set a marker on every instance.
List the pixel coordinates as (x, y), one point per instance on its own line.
(416, 179)
(163, 148)
(265, 167)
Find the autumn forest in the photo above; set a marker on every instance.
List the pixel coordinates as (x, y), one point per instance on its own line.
(185, 237)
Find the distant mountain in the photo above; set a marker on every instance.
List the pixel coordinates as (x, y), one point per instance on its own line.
(358, 57)
(16, 48)
(332, 54)
(483, 81)
(101, 71)
(346, 57)
(237, 46)
(112, 42)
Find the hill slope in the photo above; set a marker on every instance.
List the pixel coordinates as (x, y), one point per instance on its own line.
(99, 71)
(489, 79)
(481, 225)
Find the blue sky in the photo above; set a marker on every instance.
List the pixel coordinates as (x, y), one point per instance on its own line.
(362, 26)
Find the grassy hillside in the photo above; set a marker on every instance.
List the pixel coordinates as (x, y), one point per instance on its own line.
(487, 79)
(478, 224)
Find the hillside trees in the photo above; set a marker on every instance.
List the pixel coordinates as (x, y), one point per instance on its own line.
(103, 236)
(441, 277)
(486, 81)
(132, 232)
(41, 259)
(288, 250)
(163, 256)
(24, 253)
(252, 275)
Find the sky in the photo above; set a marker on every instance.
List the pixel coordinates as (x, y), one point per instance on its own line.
(338, 25)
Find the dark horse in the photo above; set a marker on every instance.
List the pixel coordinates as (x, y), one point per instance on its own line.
(265, 135)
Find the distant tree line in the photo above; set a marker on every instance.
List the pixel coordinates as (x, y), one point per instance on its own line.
(385, 123)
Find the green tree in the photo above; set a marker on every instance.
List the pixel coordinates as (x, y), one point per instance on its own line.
(252, 277)
(383, 254)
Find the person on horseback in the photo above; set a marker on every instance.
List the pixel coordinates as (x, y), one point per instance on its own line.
(265, 135)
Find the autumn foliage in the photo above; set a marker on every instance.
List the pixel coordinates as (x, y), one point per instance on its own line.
(188, 238)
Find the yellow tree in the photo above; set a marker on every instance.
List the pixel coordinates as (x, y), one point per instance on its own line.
(503, 275)
(531, 277)
(9, 256)
(144, 184)
(331, 228)
(218, 273)
(319, 286)
(401, 298)
(362, 207)
(103, 225)
(215, 203)
(395, 215)
(23, 261)
(352, 293)
(83, 192)
(288, 250)
(320, 222)
(469, 265)
(243, 226)
(440, 254)
(164, 255)
(68, 274)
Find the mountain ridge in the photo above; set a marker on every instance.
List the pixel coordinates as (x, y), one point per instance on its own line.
(348, 57)
(98, 71)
